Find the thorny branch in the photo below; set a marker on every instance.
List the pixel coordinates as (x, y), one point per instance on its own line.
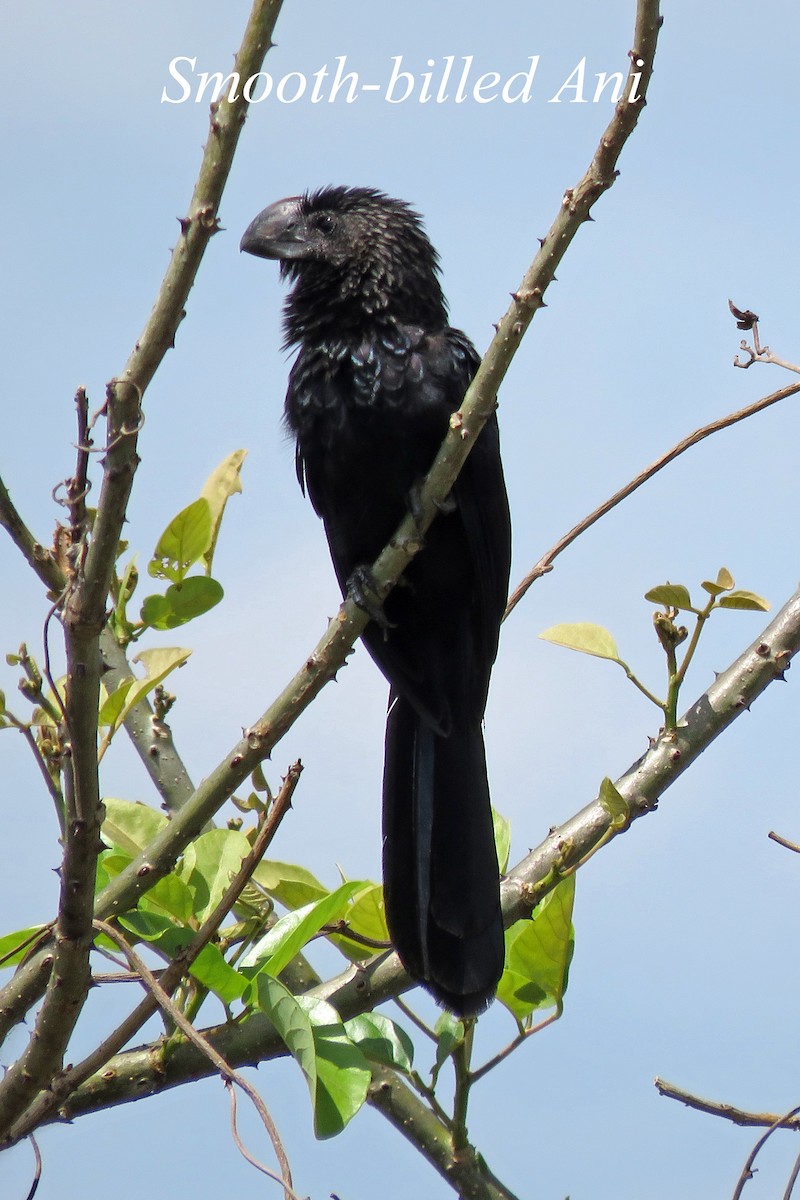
(61, 1088)
(89, 569)
(362, 986)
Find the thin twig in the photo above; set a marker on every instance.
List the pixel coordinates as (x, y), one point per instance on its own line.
(38, 557)
(716, 1108)
(462, 1058)
(545, 563)
(747, 1169)
(409, 1013)
(50, 783)
(792, 1179)
(240, 1146)
(782, 841)
(342, 929)
(204, 1046)
(516, 1043)
(428, 1093)
(78, 486)
(37, 1171)
(38, 935)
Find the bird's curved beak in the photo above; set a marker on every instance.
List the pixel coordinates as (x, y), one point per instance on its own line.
(278, 232)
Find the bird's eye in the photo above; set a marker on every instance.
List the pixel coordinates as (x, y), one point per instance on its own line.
(324, 222)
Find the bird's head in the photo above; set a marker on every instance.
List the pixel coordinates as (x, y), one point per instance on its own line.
(352, 246)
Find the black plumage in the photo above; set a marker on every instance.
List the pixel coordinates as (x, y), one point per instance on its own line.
(378, 374)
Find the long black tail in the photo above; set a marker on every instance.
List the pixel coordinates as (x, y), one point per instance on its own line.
(441, 880)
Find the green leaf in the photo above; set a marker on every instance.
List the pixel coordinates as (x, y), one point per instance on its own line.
(129, 825)
(583, 636)
(157, 928)
(291, 933)
(747, 601)
(293, 886)
(183, 542)
(381, 1040)
(209, 864)
(114, 703)
(171, 896)
(109, 865)
(538, 954)
(293, 1025)
(181, 602)
(502, 838)
(449, 1032)
(127, 586)
(222, 483)
(211, 969)
(671, 595)
(343, 1074)
(724, 583)
(614, 804)
(16, 945)
(158, 664)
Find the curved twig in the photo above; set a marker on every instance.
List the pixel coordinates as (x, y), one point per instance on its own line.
(545, 563)
(199, 1041)
(747, 1169)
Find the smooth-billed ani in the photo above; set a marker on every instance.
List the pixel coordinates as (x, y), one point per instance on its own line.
(378, 374)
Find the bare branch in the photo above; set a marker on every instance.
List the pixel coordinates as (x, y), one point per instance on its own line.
(782, 841)
(716, 1108)
(151, 740)
(513, 1045)
(792, 1179)
(747, 1169)
(36, 555)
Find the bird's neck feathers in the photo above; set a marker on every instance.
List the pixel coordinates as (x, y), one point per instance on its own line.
(383, 287)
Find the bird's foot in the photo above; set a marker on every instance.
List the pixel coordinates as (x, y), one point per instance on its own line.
(363, 590)
(445, 506)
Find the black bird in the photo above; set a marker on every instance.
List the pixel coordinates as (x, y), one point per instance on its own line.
(378, 375)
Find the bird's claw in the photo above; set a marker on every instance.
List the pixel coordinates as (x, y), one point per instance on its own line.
(363, 591)
(415, 507)
(415, 504)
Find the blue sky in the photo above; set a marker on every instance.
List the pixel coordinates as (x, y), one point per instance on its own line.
(685, 962)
